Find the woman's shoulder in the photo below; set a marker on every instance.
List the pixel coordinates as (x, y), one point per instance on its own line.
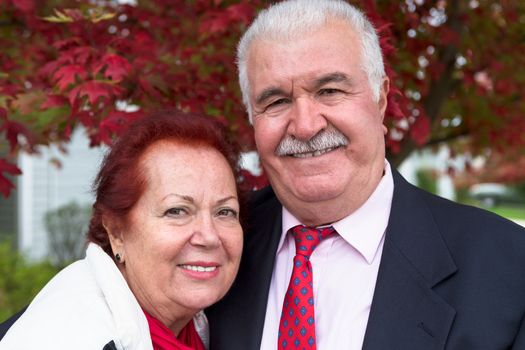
(70, 308)
(73, 282)
(86, 306)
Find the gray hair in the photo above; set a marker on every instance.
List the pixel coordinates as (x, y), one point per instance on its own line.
(285, 20)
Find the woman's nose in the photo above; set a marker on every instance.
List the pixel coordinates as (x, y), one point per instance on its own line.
(205, 233)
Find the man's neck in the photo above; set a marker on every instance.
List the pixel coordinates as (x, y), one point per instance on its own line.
(321, 213)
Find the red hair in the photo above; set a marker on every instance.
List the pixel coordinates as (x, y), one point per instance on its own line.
(120, 181)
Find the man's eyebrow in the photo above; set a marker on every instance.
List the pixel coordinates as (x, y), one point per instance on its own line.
(267, 93)
(336, 77)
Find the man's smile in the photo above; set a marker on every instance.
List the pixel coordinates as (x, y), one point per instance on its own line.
(314, 153)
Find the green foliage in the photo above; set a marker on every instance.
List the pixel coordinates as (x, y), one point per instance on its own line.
(520, 190)
(462, 195)
(515, 212)
(426, 179)
(20, 280)
(66, 227)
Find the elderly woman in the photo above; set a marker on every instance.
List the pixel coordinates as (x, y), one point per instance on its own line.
(164, 243)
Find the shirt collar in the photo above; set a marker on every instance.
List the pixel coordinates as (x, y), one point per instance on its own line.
(364, 228)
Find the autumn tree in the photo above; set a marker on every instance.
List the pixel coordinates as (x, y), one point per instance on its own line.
(454, 68)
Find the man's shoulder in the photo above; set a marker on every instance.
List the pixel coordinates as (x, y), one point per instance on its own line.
(450, 215)
(464, 222)
(263, 211)
(262, 198)
(467, 212)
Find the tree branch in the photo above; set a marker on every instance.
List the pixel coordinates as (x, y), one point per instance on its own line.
(447, 138)
(441, 88)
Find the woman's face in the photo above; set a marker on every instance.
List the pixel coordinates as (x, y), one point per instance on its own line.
(182, 243)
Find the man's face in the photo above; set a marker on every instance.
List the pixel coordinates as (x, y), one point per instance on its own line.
(301, 90)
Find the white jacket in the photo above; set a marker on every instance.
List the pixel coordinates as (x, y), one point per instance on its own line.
(84, 307)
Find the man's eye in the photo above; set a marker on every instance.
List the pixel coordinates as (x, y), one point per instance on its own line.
(277, 103)
(329, 91)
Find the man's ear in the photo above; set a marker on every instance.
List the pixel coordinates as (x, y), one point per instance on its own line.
(383, 101)
(114, 233)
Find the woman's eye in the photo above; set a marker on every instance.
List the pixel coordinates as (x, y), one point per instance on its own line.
(175, 212)
(228, 212)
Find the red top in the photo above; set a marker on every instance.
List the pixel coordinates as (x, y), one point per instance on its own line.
(164, 339)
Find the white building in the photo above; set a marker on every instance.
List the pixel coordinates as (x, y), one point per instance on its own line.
(435, 161)
(43, 187)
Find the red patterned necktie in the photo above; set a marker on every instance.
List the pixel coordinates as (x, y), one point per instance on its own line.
(297, 326)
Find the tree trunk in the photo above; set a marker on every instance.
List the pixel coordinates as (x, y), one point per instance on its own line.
(440, 89)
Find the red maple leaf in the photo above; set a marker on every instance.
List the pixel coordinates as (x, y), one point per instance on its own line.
(240, 12)
(393, 145)
(420, 130)
(48, 69)
(148, 88)
(13, 130)
(24, 5)
(85, 118)
(5, 184)
(80, 55)
(67, 43)
(53, 101)
(94, 90)
(115, 67)
(66, 75)
(115, 123)
(216, 23)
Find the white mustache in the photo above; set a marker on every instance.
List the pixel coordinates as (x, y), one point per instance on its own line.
(327, 138)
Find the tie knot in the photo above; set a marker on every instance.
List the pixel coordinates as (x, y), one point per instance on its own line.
(307, 238)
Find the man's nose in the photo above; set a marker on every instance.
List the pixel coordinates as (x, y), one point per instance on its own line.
(306, 120)
(205, 233)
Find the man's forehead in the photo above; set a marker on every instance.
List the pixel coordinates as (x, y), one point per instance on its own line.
(272, 38)
(302, 27)
(304, 56)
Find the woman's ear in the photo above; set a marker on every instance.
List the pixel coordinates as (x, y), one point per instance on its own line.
(115, 236)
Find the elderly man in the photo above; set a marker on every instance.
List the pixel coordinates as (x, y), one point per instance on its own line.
(393, 267)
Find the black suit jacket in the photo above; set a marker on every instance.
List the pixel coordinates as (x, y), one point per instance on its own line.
(450, 277)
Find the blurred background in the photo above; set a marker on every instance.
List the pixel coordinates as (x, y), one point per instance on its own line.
(75, 73)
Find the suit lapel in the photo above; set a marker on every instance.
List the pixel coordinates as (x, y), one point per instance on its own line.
(261, 248)
(236, 323)
(406, 313)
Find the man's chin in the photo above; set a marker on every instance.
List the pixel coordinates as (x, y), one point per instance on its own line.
(307, 186)
(316, 194)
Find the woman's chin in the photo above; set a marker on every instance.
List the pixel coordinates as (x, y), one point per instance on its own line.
(200, 300)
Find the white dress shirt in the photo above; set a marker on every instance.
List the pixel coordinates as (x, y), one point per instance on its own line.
(345, 268)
